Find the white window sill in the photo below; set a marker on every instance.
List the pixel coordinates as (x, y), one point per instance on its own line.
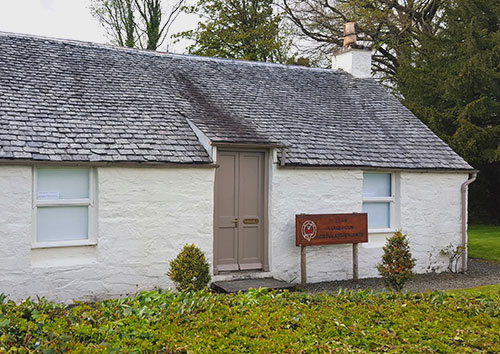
(381, 231)
(55, 244)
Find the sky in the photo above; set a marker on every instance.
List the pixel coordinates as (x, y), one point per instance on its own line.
(68, 19)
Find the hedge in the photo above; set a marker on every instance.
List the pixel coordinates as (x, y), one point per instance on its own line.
(258, 321)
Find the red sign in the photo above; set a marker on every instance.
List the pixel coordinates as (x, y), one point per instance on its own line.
(326, 229)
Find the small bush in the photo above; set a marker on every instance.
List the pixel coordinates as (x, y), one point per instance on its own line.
(397, 262)
(454, 255)
(190, 270)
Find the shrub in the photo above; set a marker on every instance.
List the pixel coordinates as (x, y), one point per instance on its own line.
(190, 269)
(397, 262)
(454, 254)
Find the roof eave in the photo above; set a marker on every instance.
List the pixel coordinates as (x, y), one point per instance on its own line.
(371, 168)
(25, 162)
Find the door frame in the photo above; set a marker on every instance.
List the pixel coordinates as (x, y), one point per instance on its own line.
(265, 212)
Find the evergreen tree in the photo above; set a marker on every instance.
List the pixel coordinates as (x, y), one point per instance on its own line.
(239, 29)
(452, 83)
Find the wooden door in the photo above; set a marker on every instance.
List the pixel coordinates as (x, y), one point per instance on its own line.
(239, 211)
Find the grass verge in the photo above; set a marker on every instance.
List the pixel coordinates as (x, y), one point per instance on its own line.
(484, 242)
(258, 321)
(478, 290)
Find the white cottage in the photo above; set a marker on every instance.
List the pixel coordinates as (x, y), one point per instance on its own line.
(112, 159)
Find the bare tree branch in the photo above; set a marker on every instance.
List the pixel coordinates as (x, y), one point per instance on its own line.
(390, 27)
(136, 22)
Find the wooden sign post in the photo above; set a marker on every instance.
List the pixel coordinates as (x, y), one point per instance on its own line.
(355, 261)
(327, 229)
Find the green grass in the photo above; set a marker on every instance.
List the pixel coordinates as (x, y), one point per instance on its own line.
(484, 242)
(484, 289)
(258, 322)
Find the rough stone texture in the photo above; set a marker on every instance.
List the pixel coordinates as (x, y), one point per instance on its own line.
(15, 229)
(234, 286)
(429, 212)
(431, 215)
(145, 216)
(357, 62)
(312, 191)
(72, 101)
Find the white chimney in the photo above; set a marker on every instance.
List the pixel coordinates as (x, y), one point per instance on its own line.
(353, 58)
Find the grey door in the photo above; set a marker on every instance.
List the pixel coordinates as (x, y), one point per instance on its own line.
(239, 210)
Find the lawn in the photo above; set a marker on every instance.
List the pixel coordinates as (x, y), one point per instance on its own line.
(484, 289)
(259, 322)
(484, 242)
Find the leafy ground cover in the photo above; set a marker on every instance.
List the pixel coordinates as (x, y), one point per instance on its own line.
(258, 322)
(484, 242)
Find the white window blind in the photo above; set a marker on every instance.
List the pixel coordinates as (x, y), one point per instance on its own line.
(62, 223)
(63, 183)
(377, 185)
(62, 202)
(378, 198)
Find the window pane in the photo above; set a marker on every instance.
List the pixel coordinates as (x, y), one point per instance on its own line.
(379, 216)
(377, 185)
(63, 183)
(62, 223)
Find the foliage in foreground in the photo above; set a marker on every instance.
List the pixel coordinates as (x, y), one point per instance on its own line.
(258, 322)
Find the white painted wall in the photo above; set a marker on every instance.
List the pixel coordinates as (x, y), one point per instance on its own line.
(357, 62)
(145, 216)
(429, 214)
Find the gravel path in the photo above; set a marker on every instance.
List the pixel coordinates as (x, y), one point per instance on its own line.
(479, 273)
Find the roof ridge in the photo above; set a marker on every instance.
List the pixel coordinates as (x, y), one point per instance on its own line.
(165, 54)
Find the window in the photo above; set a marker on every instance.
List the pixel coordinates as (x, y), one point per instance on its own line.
(379, 200)
(63, 201)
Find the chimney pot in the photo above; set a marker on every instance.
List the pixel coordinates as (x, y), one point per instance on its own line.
(350, 37)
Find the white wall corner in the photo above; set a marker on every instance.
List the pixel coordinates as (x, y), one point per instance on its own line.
(354, 61)
(203, 139)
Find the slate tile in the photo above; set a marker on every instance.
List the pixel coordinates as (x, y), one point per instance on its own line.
(130, 105)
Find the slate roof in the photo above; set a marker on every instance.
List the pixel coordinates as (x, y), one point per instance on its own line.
(73, 101)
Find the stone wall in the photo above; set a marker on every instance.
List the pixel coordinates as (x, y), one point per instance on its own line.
(144, 217)
(431, 215)
(427, 206)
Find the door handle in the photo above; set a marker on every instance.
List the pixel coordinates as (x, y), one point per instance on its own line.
(235, 220)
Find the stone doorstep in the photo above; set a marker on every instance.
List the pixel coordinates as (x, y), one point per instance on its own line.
(240, 275)
(234, 286)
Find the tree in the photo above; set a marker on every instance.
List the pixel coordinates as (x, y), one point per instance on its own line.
(452, 83)
(135, 23)
(389, 26)
(240, 29)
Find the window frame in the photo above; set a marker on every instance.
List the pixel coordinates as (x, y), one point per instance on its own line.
(392, 200)
(88, 202)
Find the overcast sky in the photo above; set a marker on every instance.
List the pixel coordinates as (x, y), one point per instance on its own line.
(69, 19)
